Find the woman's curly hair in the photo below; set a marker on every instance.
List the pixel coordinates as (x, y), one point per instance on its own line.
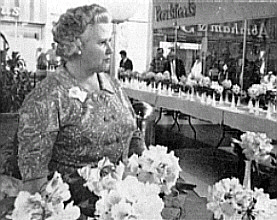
(73, 23)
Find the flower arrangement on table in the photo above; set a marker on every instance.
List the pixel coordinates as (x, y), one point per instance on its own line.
(166, 79)
(183, 80)
(125, 75)
(126, 189)
(236, 92)
(203, 85)
(217, 91)
(253, 93)
(227, 85)
(256, 149)
(49, 205)
(229, 200)
(190, 84)
(255, 146)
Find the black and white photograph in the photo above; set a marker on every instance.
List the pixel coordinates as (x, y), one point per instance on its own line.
(138, 110)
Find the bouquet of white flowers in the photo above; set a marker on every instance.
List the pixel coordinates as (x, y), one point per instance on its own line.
(216, 87)
(125, 190)
(227, 84)
(129, 199)
(159, 77)
(255, 146)
(156, 166)
(150, 76)
(49, 205)
(206, 81)
(255, 90)
(236, 89)
(230, 200)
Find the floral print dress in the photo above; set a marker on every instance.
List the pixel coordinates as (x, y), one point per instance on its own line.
(63, 127)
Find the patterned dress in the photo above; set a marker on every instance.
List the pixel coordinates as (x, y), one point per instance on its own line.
(62, 132)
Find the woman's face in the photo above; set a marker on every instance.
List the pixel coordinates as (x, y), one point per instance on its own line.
(96, 48)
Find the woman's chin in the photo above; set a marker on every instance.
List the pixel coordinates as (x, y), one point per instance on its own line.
(105, 68)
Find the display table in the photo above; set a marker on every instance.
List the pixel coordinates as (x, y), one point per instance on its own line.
(239, 118)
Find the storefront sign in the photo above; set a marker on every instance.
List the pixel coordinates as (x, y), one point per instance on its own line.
(174, 11)
(12, 12)
(234, 28)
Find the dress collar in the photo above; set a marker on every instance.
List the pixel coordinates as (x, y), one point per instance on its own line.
(105, 81)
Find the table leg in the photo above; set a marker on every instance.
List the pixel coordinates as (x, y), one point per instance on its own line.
(222, 136)
(194, 131)
(159, 118)
(175, 118)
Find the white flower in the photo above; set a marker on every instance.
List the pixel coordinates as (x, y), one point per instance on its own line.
(133, 164)
(27, 206)
(70, 212)
(227, 84)
(223, 197)
(175, 80)
(206, 81)
(236, 89)
(102, 177)
(158, 166)
(48, 206)
(77, 93)
(264, 207)
(56, 190)
(166, 75)
(121, 211)
(149, 210)
(254, 91)
(256, 146)
(159, 77)
(183, 79)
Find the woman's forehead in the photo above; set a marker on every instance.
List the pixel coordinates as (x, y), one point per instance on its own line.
(101, 28)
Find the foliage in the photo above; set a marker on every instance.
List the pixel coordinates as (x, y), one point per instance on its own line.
(15, 84)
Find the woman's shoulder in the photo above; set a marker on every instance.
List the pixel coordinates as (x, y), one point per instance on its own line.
(48, 87)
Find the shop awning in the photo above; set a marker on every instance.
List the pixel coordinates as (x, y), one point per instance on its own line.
(168, 13)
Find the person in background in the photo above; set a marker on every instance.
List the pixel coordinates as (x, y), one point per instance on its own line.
(125, 62)
(196, 70)
(52, 56)
(175, 65)
(270, 79)
(159, 63)
(78, 115)
(41, 59)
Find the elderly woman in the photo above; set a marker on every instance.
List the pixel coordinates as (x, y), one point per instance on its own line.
(79, 114)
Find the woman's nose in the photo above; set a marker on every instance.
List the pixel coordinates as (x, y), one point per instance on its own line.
(109, 49)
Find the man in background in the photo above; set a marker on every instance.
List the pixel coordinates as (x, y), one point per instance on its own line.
(125, 62)
(175, 65)
(159, 63)
(51, 56)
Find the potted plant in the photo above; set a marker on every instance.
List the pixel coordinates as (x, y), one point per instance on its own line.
(15, 84)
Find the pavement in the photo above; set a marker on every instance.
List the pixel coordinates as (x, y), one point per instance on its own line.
(202, 163)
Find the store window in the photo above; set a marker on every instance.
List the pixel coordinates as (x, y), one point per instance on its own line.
(224, 48)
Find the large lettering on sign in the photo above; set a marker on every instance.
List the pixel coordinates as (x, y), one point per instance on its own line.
(255, 30)
(6, 11)
(175, 11)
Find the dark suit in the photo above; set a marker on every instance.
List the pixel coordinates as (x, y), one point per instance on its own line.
(180, 68)
(127, 65)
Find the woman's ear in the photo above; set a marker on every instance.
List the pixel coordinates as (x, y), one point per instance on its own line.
(78, 43)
